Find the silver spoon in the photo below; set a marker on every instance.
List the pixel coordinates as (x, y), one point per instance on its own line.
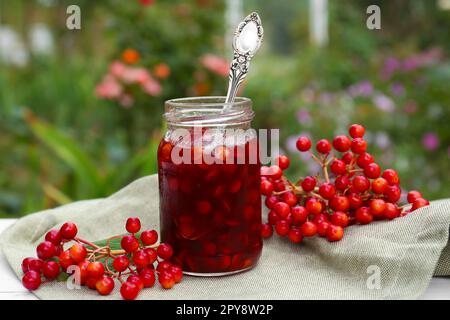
(246, 42)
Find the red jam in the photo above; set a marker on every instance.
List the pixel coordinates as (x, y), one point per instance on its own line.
(210, 214)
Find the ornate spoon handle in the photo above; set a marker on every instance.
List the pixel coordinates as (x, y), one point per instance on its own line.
(246, 42)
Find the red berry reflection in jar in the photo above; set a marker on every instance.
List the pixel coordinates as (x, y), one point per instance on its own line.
(213, 221)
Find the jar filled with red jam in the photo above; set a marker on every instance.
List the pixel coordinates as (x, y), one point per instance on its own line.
(209, 184)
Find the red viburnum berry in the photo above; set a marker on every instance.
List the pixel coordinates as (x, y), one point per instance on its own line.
(133, 225)
(282, 209)
(356, 131)
(342, 182)
(295, 235)
(359, 146)
(314, 206)
(392, 193)
(322, 228)
(68, 230)
(46, 250)
(340, 203)
(65, 260)
(379, 185)
(391, 176)
(299, 214)
(283, 162)
(363, 215)
(413, 196)
(148, 277)
(308, 229)
(282, 228)
(347, 157)
(273, 172)
(129, 291)
(338, 167)
(372, 170)
(95, 270)
(342, 143)
(31, 280)
(53, 236)
(355, 200)
(266, 187)
(152, 255)
(121, 263)
(266, 230)
(364, 159)
(335, 233)
(419, 203)
(309, 183)
(136, 280)
(51, 269)
(361, 183)
(339, 218)
(303, 144)
(327, 190)
(78, 252)
(391, 211)
(165, 251)
(177, 273)
(377, 207)
(140, 259)
(149, 237)
(289, 198)
(105, 285)
(323, 146)
(129, 243)
(166, 279)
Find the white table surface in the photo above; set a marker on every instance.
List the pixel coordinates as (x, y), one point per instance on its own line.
(11, 288)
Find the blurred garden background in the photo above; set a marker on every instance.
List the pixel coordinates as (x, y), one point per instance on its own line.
(81, 110)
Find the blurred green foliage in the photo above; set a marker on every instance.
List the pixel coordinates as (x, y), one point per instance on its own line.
(61, 142)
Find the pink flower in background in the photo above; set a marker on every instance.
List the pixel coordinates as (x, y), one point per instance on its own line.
(390, 66)
(135, 75)
(120, 75)
(108, 88)
(397, 89)
(151, 87)
(117, 69)
(430, 141)
(215, 64)
(382, 140)
(303, 116)
(383, 102)
(325, 97)
(126, 101)
(422, 59)
(363, 89)
(410, 107)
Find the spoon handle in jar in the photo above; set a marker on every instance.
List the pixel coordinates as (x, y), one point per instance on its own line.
(246, 42)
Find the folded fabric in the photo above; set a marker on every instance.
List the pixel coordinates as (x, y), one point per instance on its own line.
(383, 260)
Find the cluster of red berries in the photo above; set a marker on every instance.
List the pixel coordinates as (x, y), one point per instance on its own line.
(359, 193)
(132, 263)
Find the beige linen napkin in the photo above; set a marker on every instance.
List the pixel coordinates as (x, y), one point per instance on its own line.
(405, 253)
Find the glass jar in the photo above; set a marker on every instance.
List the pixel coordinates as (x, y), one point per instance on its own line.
(209, 184)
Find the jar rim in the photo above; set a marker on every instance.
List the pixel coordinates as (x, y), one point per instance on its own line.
(202, 101)
(208, 111)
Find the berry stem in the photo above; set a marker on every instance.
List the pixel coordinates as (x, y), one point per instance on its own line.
(325, 173)
(93, 245)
